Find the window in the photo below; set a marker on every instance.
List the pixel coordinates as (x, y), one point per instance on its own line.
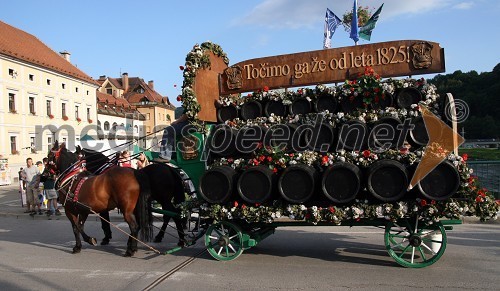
(11, 72)
(63, 86)
(109, 91)
(32, 105)
(76, 89)
(49, 143)
(114, 126)
(49, 108)
(139, 90)
(31, 77)
(88, 113)
(12, 102)
(63, 109)
(106, 125)
(76, 112)
(48, 82)
(87, 92)
(32, 145)
(13, 145)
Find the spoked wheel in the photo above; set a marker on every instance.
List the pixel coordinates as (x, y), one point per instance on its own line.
(224, 241)
(415, 246)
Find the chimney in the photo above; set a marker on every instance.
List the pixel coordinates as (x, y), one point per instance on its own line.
(125, 82)
(102, 77)
(151, 84)
(65, 55)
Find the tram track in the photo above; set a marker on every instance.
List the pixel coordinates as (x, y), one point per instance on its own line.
(174, 270)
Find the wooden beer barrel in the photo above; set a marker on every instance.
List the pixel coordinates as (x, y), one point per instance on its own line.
(226, 113)
(387, 180)
(321, 138)
(256, 184)
(217, 184)
(325, 102)
(351, 103)
(275, 107)
(279, 136)
(352, 136)
(300, 106)
(407, 96)
(441, 183)
(418, 136)
(251, 110)
(222, 140)
(248, 138)
(341, 182)
(384, 102)
(379, 138)
(297, 183)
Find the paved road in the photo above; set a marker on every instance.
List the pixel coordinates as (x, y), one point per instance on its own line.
(35, 254)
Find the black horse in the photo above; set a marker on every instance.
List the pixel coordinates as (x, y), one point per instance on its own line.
(166, 186)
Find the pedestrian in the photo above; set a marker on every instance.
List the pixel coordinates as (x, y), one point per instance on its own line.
(124, 160)
(48, 179)
(142, 161)
(32, 186)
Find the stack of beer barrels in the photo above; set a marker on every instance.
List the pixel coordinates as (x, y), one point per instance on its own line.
(384, 180)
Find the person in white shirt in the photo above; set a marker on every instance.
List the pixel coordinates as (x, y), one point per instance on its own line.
(32, 184)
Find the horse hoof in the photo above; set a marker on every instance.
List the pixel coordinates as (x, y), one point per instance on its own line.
(105, 241)
(182, 243)
(76, 250)
(93, 241)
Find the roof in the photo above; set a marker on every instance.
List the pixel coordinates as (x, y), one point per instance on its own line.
(23, 46)
(133, 95)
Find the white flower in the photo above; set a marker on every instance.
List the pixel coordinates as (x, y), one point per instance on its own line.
(302, 207)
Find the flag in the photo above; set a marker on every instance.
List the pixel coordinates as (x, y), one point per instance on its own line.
(354, 23)
(331, 24)
(365, 32)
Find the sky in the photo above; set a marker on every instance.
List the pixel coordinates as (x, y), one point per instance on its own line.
(150, 39)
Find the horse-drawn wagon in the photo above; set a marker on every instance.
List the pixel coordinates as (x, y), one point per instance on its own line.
(368, 152)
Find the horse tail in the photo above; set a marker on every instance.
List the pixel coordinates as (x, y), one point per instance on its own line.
(178, 187)
(143, 211)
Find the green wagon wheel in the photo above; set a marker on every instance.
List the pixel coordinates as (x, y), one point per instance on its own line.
(224, 241)
(414, 246)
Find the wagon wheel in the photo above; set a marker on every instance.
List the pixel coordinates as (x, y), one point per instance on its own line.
(224, 241)
(415, 246)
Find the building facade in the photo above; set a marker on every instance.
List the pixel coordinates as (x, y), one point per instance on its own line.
(43, 98)
(157, 111)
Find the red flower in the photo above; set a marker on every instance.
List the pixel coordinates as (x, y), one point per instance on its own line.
(179, 98)
(261, 158)
(331, 209)
(269, 159)
(230, 160)
(275, 170)
(479, 199)
(324, 160)
(291, 155)
(257, 204)
(235, 203)
(433, 202)
(366, 153)
(243, 206)
(423, 202)
(465, 157)
(266, 88)
(181, 68)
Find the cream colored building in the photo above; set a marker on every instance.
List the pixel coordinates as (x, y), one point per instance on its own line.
(43, 98)
(157, 110)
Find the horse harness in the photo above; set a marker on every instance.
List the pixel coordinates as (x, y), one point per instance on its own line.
(70, 182)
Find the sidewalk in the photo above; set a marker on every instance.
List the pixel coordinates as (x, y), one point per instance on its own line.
(10, 206)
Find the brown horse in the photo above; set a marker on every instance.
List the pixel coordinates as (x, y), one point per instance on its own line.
(82, 193)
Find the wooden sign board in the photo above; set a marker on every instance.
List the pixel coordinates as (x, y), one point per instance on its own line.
(206, 87)
(388, 59)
